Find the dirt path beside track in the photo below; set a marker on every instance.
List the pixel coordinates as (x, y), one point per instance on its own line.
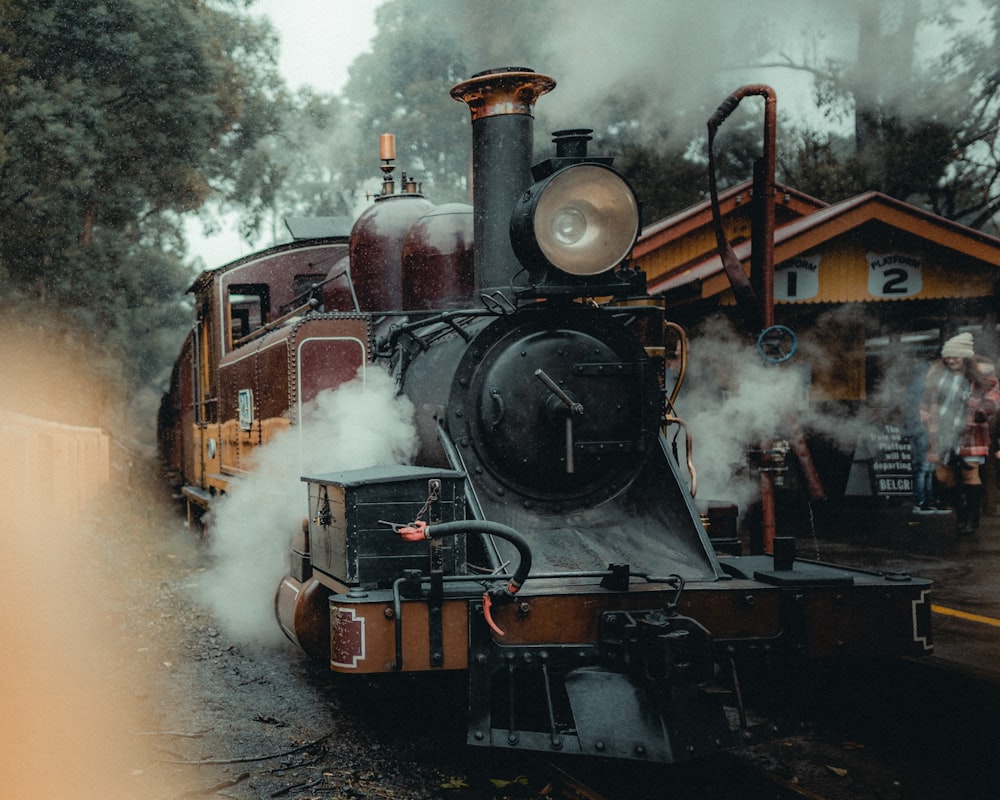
(121, 684)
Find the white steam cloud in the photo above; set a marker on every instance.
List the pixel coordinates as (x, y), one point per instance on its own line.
(363, 423)
(732, 402)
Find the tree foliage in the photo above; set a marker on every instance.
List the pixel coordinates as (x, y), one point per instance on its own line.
(117, 117)
(401, 86)
(924, 128)
(120, 117)
(970, 72)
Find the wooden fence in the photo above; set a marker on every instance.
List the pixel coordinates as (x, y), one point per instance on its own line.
(49, 470)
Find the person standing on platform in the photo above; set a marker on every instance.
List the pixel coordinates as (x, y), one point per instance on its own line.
(960, 397)
(922, 469)
(991, 472)
(995, 439)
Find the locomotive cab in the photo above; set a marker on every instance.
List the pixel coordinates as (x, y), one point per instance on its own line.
(264, 343)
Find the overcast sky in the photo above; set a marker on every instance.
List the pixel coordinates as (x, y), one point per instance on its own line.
(320, 38)
(671, 41)
(319, 41)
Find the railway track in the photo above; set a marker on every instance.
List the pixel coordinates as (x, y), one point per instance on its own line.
(914, 730)
(727, 777)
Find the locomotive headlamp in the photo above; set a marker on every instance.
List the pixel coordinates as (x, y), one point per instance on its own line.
(583, 220)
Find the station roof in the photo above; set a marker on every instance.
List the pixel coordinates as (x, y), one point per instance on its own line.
(802, 224)
(734, 201)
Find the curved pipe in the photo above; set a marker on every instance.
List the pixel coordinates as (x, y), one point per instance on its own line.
(756, 315)
(682, 342)
(421, 530)
(688, 445)
(493, 529)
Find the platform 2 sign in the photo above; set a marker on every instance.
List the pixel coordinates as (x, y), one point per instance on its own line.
(894, 275)
(882, 464)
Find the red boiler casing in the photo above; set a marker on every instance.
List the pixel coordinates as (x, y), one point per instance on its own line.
(376, 249)
(438, 268)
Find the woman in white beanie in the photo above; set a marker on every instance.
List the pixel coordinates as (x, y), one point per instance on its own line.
(958, 401)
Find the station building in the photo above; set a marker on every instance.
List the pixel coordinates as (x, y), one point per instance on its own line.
(867, 285)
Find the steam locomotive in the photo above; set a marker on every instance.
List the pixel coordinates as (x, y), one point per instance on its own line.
(544, 542)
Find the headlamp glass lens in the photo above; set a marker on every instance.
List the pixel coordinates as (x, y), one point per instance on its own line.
(569, 225)
(586, 219)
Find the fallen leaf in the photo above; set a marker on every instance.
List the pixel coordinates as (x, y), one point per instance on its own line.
(840, 772)
(520, 780)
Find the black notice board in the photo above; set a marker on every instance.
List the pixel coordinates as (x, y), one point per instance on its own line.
(892, 467)
(883, 463)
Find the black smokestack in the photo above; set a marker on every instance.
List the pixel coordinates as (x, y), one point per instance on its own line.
(502, 102)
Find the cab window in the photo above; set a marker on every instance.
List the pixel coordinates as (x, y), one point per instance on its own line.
(249, 307)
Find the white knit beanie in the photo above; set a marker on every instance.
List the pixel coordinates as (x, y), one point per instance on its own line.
(960, 346)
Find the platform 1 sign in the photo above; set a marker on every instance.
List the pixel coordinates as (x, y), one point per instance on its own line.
(882, 464)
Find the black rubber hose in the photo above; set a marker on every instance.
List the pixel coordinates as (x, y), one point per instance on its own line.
(493, 529)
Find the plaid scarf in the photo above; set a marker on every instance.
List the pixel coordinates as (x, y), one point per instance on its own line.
(943, 410)
(957, 413)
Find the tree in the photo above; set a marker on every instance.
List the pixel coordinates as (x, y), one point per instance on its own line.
(401, 87)
(117, 118)
(422, 49)
(971, 70)
(924, 129)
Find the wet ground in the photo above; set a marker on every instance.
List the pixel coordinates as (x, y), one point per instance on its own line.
(965, 570)
(127, 686)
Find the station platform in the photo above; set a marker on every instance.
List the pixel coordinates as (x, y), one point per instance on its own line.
(965, 570)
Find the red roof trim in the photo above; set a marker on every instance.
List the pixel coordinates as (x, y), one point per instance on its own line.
(801, 235)
(666, 230)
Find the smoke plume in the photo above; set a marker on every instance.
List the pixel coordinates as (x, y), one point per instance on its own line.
(360, 424)
(685, 58)
(733, 401)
